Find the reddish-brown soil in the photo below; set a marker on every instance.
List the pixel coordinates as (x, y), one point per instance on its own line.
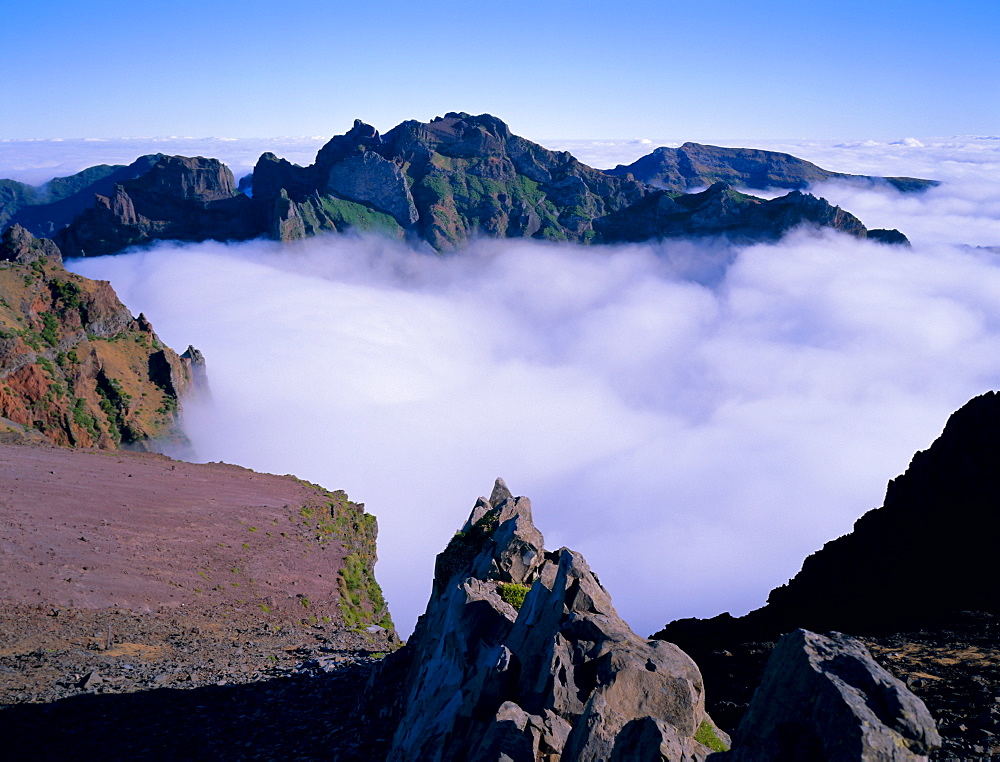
(137, 531)
(151, 609)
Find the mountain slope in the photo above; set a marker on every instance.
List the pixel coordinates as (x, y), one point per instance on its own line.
(694, 165)
(75, 365)
(45, 209)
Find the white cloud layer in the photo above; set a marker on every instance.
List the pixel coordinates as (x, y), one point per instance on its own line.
(694, 442)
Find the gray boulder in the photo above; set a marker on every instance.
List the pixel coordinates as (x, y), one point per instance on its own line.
(825, 698)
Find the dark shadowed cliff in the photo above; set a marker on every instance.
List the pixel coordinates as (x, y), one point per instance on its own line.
(916, 576)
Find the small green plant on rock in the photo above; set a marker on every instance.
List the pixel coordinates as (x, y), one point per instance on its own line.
(706, 735)
(465, 546)
(513, 593)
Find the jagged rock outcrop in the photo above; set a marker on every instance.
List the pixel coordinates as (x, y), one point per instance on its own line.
(74, 364)
(825, 698)
(444, 183)
(20, 246)
(45, 209)
(694, 165)
(178, 198)
(521, 656)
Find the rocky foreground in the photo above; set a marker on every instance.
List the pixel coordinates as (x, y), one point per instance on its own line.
(140, 592)
(915, 578)
(521, 656)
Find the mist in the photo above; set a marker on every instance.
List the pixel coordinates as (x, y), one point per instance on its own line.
(695, 418)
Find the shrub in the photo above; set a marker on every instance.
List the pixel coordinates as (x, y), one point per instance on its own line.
(513, 593)
(706, 735)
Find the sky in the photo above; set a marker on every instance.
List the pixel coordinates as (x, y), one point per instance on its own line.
(656, 69)
(695, 433)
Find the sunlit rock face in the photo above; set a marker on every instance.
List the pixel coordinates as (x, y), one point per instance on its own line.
(521, 655)
(75, 367)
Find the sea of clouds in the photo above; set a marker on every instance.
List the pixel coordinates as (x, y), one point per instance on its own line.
(695, 419)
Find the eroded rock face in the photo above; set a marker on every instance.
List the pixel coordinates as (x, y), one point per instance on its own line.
(75, 365)
(178, 198)
(559, 675)
(20, 246)
(826, 698)
(442, 183)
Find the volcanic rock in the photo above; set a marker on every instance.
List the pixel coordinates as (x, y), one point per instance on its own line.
(46, 209)
(521, 655)
(75, 365)
(178, 198)
(20, 246)
(694, 165)
(461, 176)
(444, 183)
(826, 698)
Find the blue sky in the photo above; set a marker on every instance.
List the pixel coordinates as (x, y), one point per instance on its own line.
(550, 68)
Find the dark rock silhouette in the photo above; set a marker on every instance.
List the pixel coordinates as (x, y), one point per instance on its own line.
(915, 572)
(499, 670)
(941, 511)
(825, 698)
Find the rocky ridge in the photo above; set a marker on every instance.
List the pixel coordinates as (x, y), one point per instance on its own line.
(178, 199)
(913, 578)
(521, 653)
(442, 183)
(45, 209)
(74, 364)
(521, 656)
(460, 176)
(694, 165)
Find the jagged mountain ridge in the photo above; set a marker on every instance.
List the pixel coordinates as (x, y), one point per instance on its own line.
(46, 209)
(442, 183)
